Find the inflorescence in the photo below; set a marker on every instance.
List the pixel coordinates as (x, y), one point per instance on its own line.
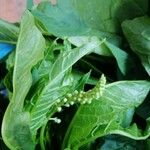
(81, 96)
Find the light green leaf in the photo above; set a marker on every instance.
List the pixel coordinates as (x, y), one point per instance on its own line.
(76, 17)
(124, 60)
(54, 89)
(78, 20)
(81, 40)
(15, 127)
(82, 81)
(41, 70)
(108, 115)
(107, 49)
(8, 32)
(137, 32)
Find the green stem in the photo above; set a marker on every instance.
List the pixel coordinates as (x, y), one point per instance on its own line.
(42, 144)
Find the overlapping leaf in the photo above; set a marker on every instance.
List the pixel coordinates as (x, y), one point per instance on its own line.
(72, 18)
(90, 26)
(53, 88)
(111, 114)
(137, 32)
(107, 49)
(8, 32)
(15, 128)
(76, 17)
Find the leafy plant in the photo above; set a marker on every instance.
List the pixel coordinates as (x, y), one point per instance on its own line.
(75, 75)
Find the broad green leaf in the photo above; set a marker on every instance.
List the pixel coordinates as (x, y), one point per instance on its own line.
(71, 18)
(54, 88)
(30, 46)
(81, 40)
(123, 59)
(107, 49)
(76, 17)
(8, 32)
(111, 114)
(137, 32)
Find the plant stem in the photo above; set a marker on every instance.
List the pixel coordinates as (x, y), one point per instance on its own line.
(42, 144)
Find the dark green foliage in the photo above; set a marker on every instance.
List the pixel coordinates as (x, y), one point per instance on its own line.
(78, 78)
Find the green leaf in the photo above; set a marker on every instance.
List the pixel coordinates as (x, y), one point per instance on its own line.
(8, 78)
(123, 59)
(10, 61)
(70, 18)
(80, 83)
(76, 17)
(55, 88)
(81, 40)
(30, 46)
(42, 69)
(137, 32)
(77, 75)
(8, 32)
(107, 49)
(111, 114)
